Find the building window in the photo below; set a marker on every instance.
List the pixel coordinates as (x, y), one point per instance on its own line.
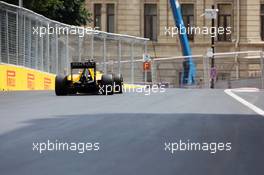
(262, 22)
(110, 11)
(224, 21)
(150, 21)
(188, 18)
(97, 16)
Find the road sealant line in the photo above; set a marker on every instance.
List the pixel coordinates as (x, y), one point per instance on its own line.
(243, 101)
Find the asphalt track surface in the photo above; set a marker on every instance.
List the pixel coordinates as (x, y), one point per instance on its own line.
(131, 129)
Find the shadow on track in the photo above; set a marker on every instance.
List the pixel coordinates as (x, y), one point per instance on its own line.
(134, 144)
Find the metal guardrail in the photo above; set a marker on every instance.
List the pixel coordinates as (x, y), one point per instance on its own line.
(234, 69)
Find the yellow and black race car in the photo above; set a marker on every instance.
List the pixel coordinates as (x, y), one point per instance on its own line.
(88, 80)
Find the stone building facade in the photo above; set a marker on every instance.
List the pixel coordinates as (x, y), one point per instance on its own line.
(245, 17)
(151, 18)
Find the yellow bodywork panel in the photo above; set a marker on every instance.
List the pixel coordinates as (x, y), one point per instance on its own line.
(76, 77)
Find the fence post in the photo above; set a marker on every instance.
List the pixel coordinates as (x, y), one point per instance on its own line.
(67, 53)
(132, 63)
(36, 56)
(79, 48)
(145, 72)
(29, 43)
(262, 69)
(56, 51)
(17, 48)
(47, 47)
(206, 72)
(237, 66)
(119, 55)
(0, 42)
(92, 46)
(7, 39)
(153, 71)
(42, 51)
(104, 54)
(24, 49)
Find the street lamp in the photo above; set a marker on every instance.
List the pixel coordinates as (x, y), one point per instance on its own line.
(212, 14)
(20, 3)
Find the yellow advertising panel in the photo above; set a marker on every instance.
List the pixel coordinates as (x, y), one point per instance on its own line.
(14, 78)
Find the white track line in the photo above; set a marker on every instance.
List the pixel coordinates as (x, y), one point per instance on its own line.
(244, 102)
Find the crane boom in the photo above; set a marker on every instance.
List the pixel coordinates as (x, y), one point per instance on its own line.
(189, 73)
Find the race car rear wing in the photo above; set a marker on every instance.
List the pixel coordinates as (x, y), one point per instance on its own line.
(90, 64)
(82, 65)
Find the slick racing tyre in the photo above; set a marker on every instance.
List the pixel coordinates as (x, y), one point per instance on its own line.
(60, 85)
(118, 83)
(107, 85)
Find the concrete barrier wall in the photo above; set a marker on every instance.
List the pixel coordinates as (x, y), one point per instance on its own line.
(13, 78)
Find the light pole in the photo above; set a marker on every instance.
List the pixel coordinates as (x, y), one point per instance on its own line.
(20, 3)
(212, 14)
(213, 50)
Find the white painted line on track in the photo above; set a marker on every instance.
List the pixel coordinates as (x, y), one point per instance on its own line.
(245, 90)
(243, 101)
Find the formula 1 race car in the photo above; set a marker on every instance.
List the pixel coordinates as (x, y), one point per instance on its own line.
(88, 80)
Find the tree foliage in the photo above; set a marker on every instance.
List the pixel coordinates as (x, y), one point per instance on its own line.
(71, 12)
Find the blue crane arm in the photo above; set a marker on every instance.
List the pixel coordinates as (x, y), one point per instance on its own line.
(189, 73)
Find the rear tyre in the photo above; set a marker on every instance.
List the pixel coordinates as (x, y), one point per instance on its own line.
(60, 85)
(118, 83)
(107, 85)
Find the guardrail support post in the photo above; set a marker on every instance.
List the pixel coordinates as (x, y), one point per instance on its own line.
(42, 51)
(206, 72)
(104, 53)
(153, 71)
(79, 48)
(17, 48)
(92, 46)
(0, 42)
(7, 39)
(132, 63)
(119, 56)
(36, 55)
(24, 41)
(237, 66)
(48, 54)
(262, 69)
(56, 52)
(67, 54)
(145, 72)
(29, 43)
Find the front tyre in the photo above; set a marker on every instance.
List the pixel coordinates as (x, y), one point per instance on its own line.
(60, 85)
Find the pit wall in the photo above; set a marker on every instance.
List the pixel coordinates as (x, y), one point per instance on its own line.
(16, 78)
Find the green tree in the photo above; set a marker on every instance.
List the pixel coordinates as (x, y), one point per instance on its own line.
(71, 12)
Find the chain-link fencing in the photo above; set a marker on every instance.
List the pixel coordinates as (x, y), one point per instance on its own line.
(31, 40)
(34, 41)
